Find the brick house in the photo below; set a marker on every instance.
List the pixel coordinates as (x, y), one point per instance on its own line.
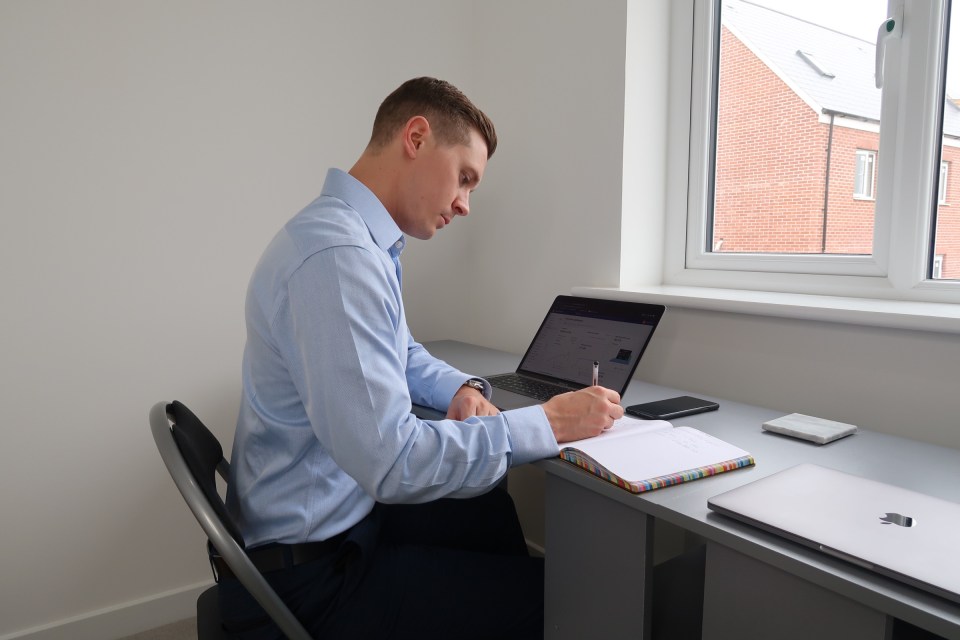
(798, 139)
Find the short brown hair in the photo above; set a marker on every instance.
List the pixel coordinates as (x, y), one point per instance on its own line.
(450, 113)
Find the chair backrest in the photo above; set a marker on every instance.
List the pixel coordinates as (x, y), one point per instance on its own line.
(192, 454)
(204, 457)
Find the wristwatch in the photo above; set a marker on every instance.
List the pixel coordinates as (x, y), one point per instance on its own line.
(476, 383)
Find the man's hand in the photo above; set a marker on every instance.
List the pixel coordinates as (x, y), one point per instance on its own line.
(469, 402)
(582, 414)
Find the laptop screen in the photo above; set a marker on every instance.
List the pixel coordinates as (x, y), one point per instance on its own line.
(579, 331)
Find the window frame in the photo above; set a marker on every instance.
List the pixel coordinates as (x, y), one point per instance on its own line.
(899, 266)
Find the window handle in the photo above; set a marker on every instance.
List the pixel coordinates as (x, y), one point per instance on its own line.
(892, 27)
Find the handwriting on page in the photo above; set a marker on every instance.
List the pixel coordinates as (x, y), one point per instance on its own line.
(692, 440)
(687, 441)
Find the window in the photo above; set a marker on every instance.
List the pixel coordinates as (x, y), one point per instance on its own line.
(942, 188)
(863, 178)
(786, 122)
(937, 267)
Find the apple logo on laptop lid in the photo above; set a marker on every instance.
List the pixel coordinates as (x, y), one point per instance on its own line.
(897, 519)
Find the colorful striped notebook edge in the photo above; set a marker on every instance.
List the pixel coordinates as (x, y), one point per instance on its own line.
(588, 464)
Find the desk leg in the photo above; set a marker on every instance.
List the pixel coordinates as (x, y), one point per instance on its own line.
(598, 565)
(747, 598)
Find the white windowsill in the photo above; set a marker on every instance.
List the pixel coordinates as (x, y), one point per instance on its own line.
(916, 316)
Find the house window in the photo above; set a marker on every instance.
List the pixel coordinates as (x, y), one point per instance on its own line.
(773, 123)
(937, 273)
(863, 176)
(942, 189)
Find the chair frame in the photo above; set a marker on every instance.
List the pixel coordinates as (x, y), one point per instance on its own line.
(228, 548)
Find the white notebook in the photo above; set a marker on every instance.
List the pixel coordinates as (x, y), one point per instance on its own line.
(642, 455)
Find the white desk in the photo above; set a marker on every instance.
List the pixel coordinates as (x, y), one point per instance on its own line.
(599, 537)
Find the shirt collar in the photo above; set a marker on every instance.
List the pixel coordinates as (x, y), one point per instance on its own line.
(383, 229)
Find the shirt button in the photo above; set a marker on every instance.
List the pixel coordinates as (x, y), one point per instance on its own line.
(399, 244)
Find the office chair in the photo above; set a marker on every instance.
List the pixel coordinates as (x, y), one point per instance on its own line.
(193, 457)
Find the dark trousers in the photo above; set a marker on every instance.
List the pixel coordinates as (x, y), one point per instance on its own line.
(448, 569)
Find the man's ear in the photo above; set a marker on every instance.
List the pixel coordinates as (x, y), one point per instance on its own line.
(415, 133)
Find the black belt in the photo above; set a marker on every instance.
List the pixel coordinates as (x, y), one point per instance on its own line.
(274, 557)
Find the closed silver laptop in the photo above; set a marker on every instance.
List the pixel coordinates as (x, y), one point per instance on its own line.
(902, 534)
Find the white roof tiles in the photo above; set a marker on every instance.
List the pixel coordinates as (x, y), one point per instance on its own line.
(831, 71)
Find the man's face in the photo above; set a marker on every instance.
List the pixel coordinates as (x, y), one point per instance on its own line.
(439, 185)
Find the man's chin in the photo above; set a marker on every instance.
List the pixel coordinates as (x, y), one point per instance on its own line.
(424, 234)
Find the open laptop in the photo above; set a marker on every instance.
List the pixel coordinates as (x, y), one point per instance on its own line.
(576, 333)
(902, 534)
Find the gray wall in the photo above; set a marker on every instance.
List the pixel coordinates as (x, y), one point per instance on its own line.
(149, 150)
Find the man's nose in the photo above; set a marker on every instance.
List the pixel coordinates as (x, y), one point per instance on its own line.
(461, 206)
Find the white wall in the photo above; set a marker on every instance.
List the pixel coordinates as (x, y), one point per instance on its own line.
(550, 75)
(894, 381)
(149, 150)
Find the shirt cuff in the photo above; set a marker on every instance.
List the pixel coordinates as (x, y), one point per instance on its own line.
(487, 387)
(531, 437)
(447, 387)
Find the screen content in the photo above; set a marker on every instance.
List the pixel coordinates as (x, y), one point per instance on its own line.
(568, 344)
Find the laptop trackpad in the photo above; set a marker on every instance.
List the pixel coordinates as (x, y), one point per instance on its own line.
(506, 400)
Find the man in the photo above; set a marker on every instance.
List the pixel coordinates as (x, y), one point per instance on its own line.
(385, 525)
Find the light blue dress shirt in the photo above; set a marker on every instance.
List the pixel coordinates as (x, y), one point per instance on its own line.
(329, 373)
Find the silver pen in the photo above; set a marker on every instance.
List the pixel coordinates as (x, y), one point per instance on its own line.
(596, 373)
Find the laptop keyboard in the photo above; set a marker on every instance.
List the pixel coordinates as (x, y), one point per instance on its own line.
(526, 387)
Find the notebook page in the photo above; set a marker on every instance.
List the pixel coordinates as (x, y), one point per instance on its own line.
(659, 453)
(624, 427)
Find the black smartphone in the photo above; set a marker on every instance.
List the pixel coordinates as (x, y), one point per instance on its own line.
(671, 408)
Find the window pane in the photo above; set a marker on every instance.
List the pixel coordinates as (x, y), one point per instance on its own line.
(863, 180)
(942, 190)
(945, 261)
(798, 127)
